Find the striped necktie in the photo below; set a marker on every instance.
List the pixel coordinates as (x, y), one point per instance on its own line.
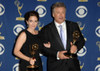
(62, 36)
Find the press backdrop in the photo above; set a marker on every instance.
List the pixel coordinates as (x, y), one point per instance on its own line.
(85, 12)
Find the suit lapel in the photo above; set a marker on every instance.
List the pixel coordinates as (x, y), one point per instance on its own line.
(56, 34)
(68, 35)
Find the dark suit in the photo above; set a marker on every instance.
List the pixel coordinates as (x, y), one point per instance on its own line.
(50, 33)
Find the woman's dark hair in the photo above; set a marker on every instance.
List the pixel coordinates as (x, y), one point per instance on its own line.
(31, 13)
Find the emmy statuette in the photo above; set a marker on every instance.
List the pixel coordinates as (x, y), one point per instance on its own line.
(76, 35)
(33, 50)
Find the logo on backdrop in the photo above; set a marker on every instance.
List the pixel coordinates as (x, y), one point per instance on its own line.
(99, 20)
(0, 64)
(82, 52)
(82, 0)
(40, 26)
(98, 44)
(18, 28)
(81, 65)
(2, 9)
(16, 67)
(97, 68)
(41, 0)
(81, 27)
(81, 11)
(1, 37)
(2, 49)
(19, 7)
(41, 10)
(97, 31)
(98, 59)
(98, 4)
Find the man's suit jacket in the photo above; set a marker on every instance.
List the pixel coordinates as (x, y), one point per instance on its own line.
(50, 34)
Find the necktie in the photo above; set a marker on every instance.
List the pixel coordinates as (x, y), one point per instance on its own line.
(62, 36)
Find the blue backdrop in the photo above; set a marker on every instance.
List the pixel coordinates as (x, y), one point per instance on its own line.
(85, 12)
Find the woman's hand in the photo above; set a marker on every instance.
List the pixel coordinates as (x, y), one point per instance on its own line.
(32, 61)
(47, 45)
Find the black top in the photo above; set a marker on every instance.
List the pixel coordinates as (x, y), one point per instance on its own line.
(26, 48)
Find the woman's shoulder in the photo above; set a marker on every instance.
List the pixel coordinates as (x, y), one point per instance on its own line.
(22, 33)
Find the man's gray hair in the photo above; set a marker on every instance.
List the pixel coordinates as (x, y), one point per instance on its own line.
(57, 4)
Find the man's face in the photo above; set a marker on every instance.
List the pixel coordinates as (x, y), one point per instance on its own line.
(59, 14)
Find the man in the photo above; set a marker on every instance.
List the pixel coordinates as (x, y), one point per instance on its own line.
(56, 60)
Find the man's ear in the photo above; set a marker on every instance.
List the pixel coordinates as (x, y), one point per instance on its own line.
(52, 15)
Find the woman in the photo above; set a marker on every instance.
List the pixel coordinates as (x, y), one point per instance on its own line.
(26, 39)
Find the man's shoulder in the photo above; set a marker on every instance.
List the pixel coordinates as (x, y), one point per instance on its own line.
(48, 25)
(72, 22)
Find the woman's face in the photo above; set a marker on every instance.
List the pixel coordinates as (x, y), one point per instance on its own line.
(32, 22)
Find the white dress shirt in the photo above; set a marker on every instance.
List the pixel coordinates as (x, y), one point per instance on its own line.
(63, 28)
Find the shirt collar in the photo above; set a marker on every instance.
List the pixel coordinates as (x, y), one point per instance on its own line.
(57, 24)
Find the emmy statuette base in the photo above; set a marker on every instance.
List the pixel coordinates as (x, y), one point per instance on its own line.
(32, 68)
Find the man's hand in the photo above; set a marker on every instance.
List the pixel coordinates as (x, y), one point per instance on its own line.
(47, 45)
(61, 55)
(73, 48)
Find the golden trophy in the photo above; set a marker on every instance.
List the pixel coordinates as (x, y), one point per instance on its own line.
(98, 44)
(19, 7)
(1, 37)
(33, 50)
(76, 35)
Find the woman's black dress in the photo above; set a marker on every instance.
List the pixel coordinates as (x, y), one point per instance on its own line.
(26, 49)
